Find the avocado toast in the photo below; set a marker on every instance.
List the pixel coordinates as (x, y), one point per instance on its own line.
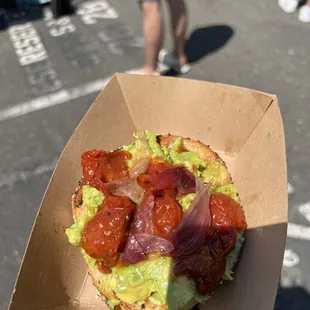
(163, 279)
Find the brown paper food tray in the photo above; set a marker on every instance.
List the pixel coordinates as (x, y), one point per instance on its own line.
(243, 125)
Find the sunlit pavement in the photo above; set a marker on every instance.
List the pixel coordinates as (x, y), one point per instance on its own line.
(49, 81)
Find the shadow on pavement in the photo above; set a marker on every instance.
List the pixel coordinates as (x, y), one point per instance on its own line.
(204, 41)
(62, 7)
(293, 298)
(301, 3)
(10, 14)
(13, 16)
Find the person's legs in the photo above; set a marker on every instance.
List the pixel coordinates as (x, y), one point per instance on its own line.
(288, 6)
(304, 13)
(178, 15)
(176, 59)
(153, 33)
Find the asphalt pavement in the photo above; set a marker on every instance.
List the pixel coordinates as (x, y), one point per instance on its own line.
(48, 82)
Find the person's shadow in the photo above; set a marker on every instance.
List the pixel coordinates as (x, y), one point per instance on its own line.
(204, 41)
(294, 298)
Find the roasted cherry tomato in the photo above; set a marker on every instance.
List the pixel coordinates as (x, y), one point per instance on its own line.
(226, 212)
(104, 166)
(104, 235)
(207, 264)
(167, 216)
(157, 166)
(90, 164)
(144, 182)
(171, 192)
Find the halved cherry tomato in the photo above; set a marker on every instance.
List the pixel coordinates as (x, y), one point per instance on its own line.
(167, 216)
(104, 166)
(226, 212)
(157, 166)
(207, 264)
(144, 182)
(104, 235)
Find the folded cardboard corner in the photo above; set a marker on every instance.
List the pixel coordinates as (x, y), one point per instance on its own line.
(243, 125)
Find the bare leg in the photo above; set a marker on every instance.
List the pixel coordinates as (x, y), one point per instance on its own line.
(178, 15)
(153, 33)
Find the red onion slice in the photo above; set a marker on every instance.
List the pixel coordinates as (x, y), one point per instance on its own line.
(142, 156)
(151, 243)
(180, 177)
(143, 221)
(199, 184)
(133, 252)
(140, 244)
(126, 187)
(129, 186)
(195, 224)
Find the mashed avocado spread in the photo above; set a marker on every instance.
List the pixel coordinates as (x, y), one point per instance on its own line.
(152, 279)
(92, 198)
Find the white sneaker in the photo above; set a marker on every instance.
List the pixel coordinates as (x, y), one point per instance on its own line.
(141, 72)
(167, 61)
(304, 14)
(288, 6)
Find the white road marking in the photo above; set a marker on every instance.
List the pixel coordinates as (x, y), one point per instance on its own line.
(57, 27)
(92, 11)
(59, 97)
(304, 209)
(23, 175)
(27, 44)
(291, 277)
(118, 41)
(290, 259)
(297, 231)
(290, 188)
(44, 102)
(33, 56)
